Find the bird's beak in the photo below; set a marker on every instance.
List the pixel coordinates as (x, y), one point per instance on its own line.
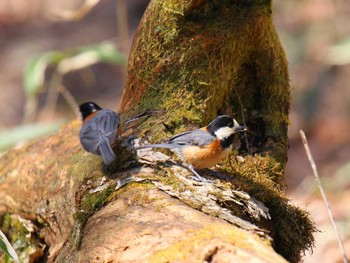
(241, 129)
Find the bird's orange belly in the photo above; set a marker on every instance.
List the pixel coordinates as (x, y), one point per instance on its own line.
(204, 157)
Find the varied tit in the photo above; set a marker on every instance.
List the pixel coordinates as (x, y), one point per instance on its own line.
(99, 130)
(204, 147)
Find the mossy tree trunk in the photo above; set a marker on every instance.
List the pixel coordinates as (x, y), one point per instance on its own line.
(190, 61)
(197, 59)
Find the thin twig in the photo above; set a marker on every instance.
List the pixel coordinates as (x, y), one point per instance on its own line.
(70, 99)
(30, 109)
(143, 115)
(78, 14)
(328, 206)
(52, 96)
(243, 120)
(123, 30)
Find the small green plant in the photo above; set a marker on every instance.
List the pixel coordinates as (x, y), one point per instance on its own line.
(62, 62)
(26, 132)
(35, 82)
(9, 251)
(339, 53)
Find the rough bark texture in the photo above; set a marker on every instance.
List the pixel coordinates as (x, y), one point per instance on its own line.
(190, 61)
(148, 225)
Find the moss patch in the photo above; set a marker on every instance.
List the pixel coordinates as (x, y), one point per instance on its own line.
(23, 237)
(291, 227)
(89, 203)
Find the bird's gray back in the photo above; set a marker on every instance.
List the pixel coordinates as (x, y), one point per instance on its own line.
(197, 137)
(103, 124)
(107, 122)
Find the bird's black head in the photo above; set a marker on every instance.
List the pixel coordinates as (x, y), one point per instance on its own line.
(87, 108)
(224, 128)
(223, 123)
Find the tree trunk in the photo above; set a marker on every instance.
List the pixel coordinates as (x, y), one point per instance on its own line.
(197, 59)
(190, 61)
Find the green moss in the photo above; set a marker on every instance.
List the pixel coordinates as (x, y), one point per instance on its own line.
(80, 218)
(15, 230)
(86, 166)
(92, 202)
(291, 227)
(175, 184)
(24, 242)
(89, 203)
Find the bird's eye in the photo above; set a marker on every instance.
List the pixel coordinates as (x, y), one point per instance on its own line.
(230, 125)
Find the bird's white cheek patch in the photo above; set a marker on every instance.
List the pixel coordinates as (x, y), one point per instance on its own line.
(224, 132)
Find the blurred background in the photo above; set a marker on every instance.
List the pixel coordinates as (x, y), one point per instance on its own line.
(81, 47)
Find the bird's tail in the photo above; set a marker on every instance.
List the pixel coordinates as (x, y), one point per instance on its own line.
(106, 151)
(160, 145)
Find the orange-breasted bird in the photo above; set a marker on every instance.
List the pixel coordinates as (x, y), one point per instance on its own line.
(99, 130)
(204, 147)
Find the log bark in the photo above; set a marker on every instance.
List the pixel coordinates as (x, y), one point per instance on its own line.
(190, 61)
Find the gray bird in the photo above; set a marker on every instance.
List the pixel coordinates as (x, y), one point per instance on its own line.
(99, 130)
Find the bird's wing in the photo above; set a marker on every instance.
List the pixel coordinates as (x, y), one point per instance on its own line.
(107, 122)
(196, 137)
